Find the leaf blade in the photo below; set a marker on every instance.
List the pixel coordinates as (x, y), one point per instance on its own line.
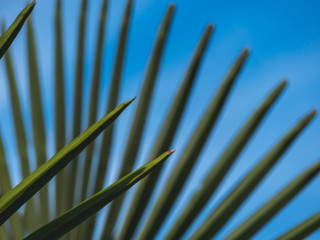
(72, 218)
(20, 133)
(11, 201)
(78, 82)
(16, 225)
(8, 37)
(37, 115)
(95, 85)
(302, 230)
(137, 127)
(238, 194)
(191, 152)
(165, 137)
(266, 212)
(62, 190)
(222, 166)
(104, 154)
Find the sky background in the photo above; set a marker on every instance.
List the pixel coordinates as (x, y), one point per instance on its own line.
(284, 38)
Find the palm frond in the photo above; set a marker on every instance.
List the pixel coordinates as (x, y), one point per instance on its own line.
(147, 209)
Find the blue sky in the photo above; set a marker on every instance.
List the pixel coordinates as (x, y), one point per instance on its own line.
(284, 38)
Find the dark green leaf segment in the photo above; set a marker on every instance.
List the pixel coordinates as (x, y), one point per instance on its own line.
(78, 214)
(7, 38)
(15, 198)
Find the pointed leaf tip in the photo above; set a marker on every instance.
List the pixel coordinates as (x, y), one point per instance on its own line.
(33, 3)
(318, 164)
(285, 82)
(130, 101)
(172, 7)
(172, 151)
(127, 103)
(314, 112)
(10, 34)
(66, 222)
(246, 52)
(170, 10)
(210, 27)
(282, 85)
(17, 196)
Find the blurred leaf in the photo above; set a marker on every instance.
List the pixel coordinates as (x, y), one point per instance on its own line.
(38, 125)
(88, 228)
(78, 214)
(254, 223)
(5, 181)
(16, 197)
(17, 116)
(191, 152)
(222, 166)
(303, 230)
(62, 190)
(113, 99)
(239, 194)
(7, 38)
(94, 96)
(67, 179)
(3, 233)
(78, 95)
(137, 127)
(165, 138)
(5, 185)
(20, 133)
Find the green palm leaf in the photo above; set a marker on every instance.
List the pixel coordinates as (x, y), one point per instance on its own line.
(237, 195)
(165, 138)
(38, 125)
(192, 151)
(303, 230)
(87, 228)
(7, 38)
(94, 96)
(3, 233)
(5, 184)
(16, 197)
(78, 86)
(271, 208)
(137, 126)
(62, 191)
(74, 184)
(20, 133)
(78, 214)
(223, 165)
